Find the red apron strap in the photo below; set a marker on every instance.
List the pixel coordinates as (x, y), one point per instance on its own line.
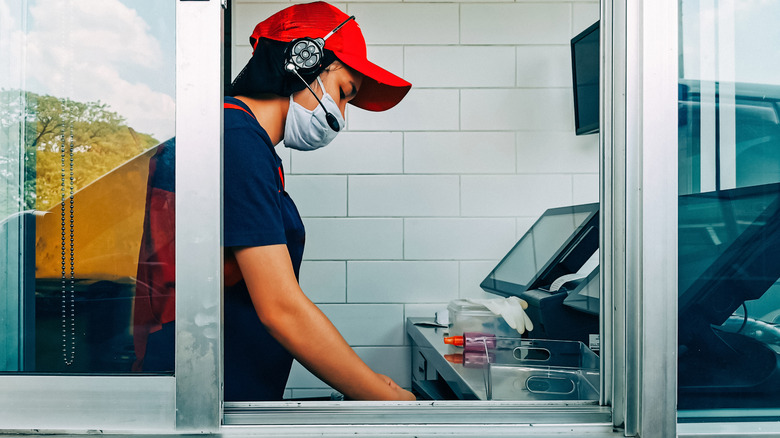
(234, 106)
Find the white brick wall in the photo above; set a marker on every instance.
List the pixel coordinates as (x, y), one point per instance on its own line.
(410, 208)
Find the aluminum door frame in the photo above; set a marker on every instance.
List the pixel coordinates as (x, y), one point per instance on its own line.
(190, 402)
(639, 224)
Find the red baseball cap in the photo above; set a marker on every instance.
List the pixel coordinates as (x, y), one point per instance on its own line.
(380, 90)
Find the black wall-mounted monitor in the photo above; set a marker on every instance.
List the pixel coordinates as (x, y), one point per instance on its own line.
(585, 80)
(558, 243)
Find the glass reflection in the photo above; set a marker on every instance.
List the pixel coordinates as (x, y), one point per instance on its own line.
(729, 206)
(85, 98)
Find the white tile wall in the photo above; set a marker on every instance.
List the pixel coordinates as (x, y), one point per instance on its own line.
(402, 281)
(584, 15)
(353, 239)
(318, 195)
(523, 225)
(586, 188)
(471, 275)
(457, 239)
(515, 195)
(421, 110)
(407, 23)
(391, 58)
(413, 207)
(386, 327)
(459, 152)
(515, 23)
(556, 152)
(407, 195)
(544, 66)
(476, 66)
(324, 281)
(427, 311)
(511, 109)
(353, 152)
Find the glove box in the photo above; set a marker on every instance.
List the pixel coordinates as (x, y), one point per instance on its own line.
(466, 316)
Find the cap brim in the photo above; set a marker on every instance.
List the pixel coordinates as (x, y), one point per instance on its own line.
(380, 90)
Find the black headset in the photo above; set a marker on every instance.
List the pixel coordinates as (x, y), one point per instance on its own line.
(303, 56)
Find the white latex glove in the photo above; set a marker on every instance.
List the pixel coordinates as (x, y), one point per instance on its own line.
(511, 309)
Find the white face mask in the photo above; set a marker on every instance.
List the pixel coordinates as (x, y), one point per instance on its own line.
(307, 130)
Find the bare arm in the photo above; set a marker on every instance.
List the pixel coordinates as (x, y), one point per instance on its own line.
(284, 310)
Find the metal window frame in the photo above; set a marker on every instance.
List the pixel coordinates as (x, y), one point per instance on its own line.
(458, 418)
(639, 220)
(639, 204)
(198, 215)
(638, 198)
(190, 402)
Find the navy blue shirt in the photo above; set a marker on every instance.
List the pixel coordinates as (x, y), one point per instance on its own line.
(256, 212)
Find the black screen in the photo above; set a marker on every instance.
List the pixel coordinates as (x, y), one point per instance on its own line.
(585, 75)
(544, 252)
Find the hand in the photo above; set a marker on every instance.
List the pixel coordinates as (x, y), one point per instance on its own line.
(400, 393)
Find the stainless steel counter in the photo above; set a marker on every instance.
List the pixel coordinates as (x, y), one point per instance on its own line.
(435, 377)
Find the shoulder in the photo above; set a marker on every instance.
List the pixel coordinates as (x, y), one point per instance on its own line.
(241, 124)
(236, 110)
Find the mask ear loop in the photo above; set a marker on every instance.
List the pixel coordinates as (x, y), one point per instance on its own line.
(332, 121)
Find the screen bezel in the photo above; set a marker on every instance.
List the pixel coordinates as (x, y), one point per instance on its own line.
(506, 289)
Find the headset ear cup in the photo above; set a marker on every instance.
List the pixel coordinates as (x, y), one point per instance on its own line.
(304, 55)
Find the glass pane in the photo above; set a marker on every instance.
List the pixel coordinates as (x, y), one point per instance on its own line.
(729, 207)
(86, 97)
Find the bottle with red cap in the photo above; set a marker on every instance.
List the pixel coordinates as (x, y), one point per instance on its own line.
(471, 359)
(473, 341)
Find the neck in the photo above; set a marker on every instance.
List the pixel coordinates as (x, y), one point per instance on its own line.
(271, 113)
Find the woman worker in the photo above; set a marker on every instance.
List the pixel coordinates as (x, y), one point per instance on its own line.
(288, 91)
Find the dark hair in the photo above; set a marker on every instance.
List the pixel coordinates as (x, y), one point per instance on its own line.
(264, 73)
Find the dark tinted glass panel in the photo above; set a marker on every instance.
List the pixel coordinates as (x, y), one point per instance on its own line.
(729, 220)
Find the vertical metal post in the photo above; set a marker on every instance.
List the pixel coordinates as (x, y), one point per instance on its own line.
(611, 163)
(651, 217)
(659, 193)
(198, 215)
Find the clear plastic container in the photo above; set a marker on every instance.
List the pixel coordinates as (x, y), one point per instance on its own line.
(541, 369)
(507, 382)
(469, 317)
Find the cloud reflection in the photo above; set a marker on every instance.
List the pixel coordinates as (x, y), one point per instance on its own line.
(89, 51)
